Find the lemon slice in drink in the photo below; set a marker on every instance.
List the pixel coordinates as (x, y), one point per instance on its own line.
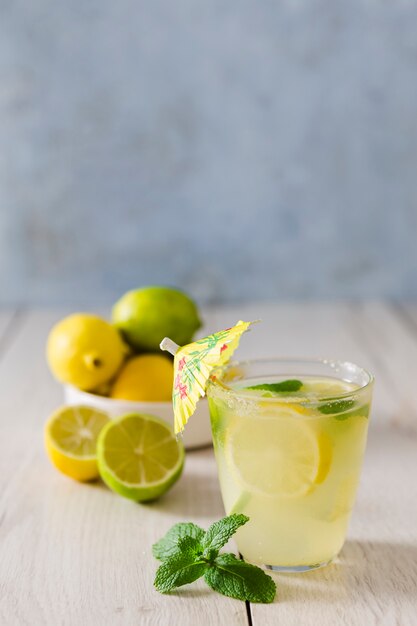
(139, 457)
(327, 388)
(278, 456)
(70, 440)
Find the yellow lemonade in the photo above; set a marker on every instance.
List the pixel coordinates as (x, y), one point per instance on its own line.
(289, 452)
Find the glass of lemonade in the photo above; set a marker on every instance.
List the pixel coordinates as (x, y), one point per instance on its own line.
(289, 438)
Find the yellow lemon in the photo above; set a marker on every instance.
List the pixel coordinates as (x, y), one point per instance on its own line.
(85, 351)
(71, 435)
(145, 378)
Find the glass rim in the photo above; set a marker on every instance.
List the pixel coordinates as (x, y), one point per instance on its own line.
(215, 382)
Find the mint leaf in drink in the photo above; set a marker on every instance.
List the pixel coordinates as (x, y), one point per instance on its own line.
(282, 387)
(336, 406)
(189, 553)
(362, 411)
(182, 567)
(237, 579)
(168, 545)
(220, 532)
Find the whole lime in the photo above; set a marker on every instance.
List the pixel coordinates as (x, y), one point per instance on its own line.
(145, 316)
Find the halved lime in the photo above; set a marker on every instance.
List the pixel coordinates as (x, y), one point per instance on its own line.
(139, 457)
(279, 455)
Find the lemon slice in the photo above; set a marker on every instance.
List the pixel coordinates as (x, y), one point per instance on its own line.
(139, 457)
(326, 388)
(344, 498)
(281, 455)
(70, 440)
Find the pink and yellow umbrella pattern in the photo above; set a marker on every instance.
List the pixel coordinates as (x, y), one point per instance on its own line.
(193, 364)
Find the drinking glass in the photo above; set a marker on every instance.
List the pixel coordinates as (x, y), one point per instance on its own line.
(289, 438)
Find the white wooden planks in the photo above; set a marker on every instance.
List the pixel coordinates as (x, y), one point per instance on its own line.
(375, 581)
(78, 554)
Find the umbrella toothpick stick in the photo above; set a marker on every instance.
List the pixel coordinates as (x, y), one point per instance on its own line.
(169, 346)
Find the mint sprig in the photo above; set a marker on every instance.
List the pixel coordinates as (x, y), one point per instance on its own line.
(182, 567)
(188, 552)
(168, 545)
(220, 532)
(239, 579)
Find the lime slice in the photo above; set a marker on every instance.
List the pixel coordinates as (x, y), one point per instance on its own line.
(281, 455)
(139, 457)
(71, 435)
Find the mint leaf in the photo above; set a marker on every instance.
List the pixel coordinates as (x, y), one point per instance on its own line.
(182, 567)
(189, 553)
(237, 579)
(168, 545)
(220, 532)
(362, 411)
(336, 406)
(285, 385)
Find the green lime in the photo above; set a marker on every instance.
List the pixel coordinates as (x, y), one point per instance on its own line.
(139, 457)
(145, 316)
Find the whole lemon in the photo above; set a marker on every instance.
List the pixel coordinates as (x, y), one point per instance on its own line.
(145, 378)
(145, 316)
(84, 350)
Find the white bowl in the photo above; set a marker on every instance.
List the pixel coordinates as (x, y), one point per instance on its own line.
(197, 433)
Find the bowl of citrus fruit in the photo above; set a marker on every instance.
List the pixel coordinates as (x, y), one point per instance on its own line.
(115, 367)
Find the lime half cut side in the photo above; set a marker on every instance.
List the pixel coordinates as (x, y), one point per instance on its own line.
(277, 457)
(139, 457)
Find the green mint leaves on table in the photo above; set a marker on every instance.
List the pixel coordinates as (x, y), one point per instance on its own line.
(282, 387)
(188, 552)
(168, 545)
(238, 579)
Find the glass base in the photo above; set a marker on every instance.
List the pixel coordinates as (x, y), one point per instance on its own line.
(296, 569)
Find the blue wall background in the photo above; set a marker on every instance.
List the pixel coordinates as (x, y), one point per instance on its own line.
(249, 149)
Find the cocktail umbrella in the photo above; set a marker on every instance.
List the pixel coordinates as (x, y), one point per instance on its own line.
(193, 364)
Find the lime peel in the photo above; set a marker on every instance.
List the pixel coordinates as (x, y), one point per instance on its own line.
(128, 451)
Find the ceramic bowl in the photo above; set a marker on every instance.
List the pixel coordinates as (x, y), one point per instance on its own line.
(197, 433)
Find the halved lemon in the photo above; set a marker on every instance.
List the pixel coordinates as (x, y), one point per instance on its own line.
(139, 457)
(70, 440)
(281, 455)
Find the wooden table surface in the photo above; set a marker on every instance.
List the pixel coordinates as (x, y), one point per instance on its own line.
(80, 555)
